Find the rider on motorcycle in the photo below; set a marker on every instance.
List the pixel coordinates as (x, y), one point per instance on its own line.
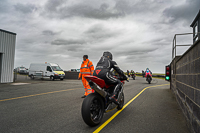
(132, 72)
(128, 74)
(143, 73)
(102, 71)
(148, 71)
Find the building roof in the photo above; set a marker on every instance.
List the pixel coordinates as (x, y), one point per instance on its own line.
(195, 20)
(7, 32)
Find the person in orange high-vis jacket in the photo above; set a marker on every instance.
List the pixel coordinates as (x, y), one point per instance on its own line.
(86, 69)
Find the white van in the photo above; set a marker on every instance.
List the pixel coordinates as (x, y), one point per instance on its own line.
(21, 70)
(46, 70)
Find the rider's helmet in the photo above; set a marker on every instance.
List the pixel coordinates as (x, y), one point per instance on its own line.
(147, 69)
(107, 54)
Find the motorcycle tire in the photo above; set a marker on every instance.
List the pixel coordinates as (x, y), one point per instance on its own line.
(92, 109)
(149, 80)
(121, 102)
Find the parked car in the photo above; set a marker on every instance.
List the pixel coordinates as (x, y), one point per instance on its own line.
(73, 70)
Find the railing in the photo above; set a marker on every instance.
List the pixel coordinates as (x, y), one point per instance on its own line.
(174, 45)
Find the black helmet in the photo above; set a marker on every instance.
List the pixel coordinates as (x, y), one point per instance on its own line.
(107, 54)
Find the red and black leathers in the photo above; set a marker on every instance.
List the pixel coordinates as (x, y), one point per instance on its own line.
(102, 71)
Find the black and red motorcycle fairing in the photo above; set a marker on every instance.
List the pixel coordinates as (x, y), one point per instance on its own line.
(98, 103)
(148, 77)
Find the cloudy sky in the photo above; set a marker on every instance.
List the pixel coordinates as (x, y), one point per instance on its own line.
(139, 33)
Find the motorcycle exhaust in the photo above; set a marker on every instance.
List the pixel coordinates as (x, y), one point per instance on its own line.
(98, 89)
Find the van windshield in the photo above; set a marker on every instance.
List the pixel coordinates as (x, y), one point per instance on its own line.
(22, 68)
(56, 68)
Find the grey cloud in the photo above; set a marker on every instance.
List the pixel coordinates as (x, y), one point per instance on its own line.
(185, 12)
(4, 6)
(28, 8)
(160, 41)
(95, 29)
(68, 42)
(140, 7)
(102, 11)
(90, 12)
(52, 5)
(49, 33)
(136, 51)
(100, 33)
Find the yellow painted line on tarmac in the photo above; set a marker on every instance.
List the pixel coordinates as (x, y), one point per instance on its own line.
(37, 94)
(112, 117)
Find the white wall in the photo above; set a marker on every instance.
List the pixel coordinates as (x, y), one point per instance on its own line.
(7, 50)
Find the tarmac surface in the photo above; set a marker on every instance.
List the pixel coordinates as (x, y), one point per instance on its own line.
(45, 106)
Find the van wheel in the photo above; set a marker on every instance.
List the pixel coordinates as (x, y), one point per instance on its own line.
(51, 78)
(32, 77)
(61, 79)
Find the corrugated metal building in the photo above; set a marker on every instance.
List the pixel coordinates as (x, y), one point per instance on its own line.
(7, 54)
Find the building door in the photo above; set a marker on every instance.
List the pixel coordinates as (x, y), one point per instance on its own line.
(1, 56)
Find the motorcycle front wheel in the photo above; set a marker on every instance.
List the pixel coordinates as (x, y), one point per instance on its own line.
(149, 80)
(121, 102)
(92, 109)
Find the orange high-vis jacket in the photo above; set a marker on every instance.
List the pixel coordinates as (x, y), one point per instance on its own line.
(86, 68)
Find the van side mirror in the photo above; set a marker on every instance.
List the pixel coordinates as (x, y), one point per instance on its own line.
(50, 70)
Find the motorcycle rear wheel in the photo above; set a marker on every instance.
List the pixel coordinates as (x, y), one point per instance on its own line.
(92, 109)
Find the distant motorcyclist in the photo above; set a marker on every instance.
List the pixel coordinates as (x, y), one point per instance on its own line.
(128, 74)
(143, 73)
(148, 75)
(132, 73)
(102, 71)
(147, 71)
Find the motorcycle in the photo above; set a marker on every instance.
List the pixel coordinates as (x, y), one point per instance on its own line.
(96, 104)
(143, 74)
(133, 76)
(148, 77)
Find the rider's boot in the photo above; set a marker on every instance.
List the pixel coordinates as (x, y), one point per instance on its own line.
(114, 96)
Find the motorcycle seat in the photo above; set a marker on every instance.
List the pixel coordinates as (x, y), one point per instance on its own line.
(100, 82)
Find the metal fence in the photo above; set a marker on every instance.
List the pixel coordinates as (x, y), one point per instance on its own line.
(174, 45)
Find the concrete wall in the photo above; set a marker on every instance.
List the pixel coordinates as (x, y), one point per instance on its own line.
(7, 54)
(71, 75)
(185, 83)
